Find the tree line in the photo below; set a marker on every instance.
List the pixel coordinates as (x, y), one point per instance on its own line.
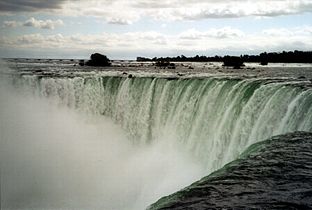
(263, 58)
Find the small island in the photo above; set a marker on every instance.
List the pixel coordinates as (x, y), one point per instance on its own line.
(96, 59)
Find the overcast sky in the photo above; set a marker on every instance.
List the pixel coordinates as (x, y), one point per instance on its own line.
(124, 29)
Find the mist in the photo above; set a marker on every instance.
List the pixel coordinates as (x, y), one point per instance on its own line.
(53, 157)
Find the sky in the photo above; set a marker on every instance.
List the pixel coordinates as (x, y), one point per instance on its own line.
(124, 29)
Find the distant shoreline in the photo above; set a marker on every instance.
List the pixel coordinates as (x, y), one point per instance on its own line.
(264, 58)
(271, 57)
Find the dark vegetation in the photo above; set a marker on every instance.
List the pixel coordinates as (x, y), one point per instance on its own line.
(96, 59)
(233, 61)
(263, 58)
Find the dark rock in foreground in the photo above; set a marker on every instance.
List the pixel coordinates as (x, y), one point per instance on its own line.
(98, 59)
(273, 174)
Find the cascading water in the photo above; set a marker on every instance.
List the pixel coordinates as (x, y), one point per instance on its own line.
(214, 119)
(63, 146)
(53, 157)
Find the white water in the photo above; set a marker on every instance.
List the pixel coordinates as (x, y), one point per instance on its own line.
(214, 119)
(127, 142)
(55, 158)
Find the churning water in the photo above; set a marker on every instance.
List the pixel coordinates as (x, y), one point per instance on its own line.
(53, 157)
(112, 142)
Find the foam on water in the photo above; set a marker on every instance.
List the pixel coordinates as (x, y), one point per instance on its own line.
(53, 157)
(109, 142)
(214, 118)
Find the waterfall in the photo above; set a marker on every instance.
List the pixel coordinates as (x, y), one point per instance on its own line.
(214, 119)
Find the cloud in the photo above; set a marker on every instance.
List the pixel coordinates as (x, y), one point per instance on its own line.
(148, 42)
(126, 12)
(118, 21)
(111, 41)
(113, 12)
(220, 33)
(11, 24)
(43, 24)
(32, 22)
(195, 10)
(29, 5)
(278, 32)
(286, 32)
(174, 10)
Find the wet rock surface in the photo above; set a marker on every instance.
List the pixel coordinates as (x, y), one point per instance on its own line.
(272, 174)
